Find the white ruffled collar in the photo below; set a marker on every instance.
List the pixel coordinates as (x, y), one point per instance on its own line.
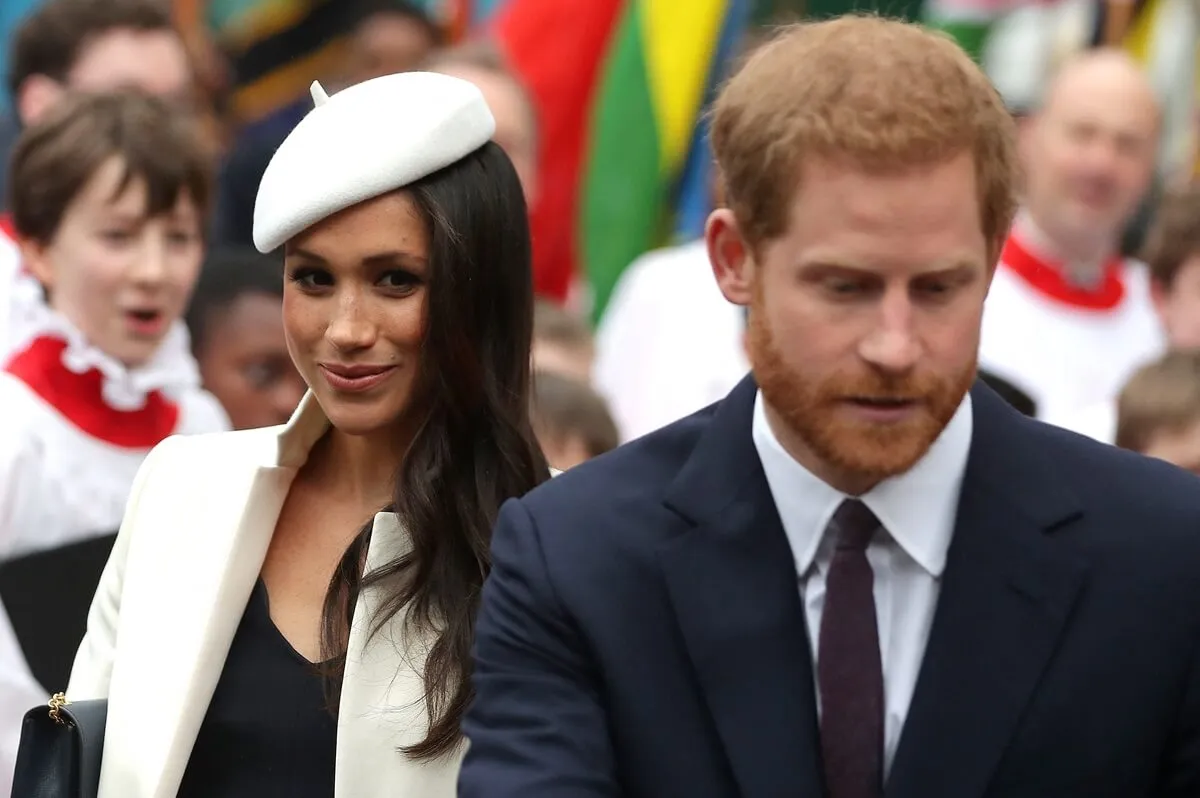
(172, 370)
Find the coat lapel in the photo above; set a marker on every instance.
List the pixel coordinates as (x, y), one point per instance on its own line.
(1006, 597)
(185, 619)
(382, 704)
(189, 575)
(733, 585)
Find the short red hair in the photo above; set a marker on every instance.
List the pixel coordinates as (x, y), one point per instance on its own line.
(882, 94)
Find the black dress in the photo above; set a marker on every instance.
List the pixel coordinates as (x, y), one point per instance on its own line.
(267, 733)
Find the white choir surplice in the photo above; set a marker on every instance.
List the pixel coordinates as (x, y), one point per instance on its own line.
(1097, 421)
(668, 343)
(917, 510)
(1067, 347)
(67, 463)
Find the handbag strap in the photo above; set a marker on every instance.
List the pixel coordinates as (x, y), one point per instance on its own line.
(89, 719)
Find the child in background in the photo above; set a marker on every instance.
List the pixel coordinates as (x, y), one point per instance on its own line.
(1158, 411)
(562, 342)
(108, 196)
(236, 324)
(571, 420)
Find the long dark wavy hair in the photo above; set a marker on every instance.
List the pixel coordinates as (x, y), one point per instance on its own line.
(473, 449)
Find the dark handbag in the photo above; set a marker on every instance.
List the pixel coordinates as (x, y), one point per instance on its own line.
(61, 746)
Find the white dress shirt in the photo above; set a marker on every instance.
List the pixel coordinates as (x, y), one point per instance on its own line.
(917, 509)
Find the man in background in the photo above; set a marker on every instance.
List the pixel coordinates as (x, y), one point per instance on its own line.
(1068, 319)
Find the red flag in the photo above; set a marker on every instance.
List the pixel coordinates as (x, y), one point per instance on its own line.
(557, 49)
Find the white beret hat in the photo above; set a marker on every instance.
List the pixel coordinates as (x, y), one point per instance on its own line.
(364, 141)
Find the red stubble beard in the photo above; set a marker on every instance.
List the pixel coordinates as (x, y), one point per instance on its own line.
(812, 410)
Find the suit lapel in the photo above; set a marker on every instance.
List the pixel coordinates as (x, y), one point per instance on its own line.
(1006, 596)
(733, 585)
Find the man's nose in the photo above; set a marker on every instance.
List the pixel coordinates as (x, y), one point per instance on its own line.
(892, 346)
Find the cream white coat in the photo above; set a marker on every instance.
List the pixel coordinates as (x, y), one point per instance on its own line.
(196, 531)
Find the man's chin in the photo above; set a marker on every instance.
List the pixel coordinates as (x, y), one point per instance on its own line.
(875, 450)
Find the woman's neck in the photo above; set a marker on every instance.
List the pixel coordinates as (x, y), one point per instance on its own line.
(360, 468)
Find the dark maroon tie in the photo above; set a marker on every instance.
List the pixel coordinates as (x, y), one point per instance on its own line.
(849, 670)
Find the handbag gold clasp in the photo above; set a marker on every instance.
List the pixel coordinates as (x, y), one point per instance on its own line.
(57, 702)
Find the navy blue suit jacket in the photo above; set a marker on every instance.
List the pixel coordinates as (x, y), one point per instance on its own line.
(642, 635)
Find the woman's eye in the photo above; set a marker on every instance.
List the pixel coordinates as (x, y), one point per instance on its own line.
(310, 278)
(399, 280)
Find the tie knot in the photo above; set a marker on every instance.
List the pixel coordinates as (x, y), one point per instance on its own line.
(854, 525)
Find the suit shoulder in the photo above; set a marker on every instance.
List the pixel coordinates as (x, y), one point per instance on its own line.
(638, 471)
(1121, 484)
(601, 523)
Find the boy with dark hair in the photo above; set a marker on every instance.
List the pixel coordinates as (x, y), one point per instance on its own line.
(236, 324)
(109, 195)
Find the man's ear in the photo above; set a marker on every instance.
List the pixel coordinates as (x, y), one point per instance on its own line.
(730, 256)
(36, 95)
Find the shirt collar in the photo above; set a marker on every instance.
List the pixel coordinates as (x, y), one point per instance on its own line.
(918, 508)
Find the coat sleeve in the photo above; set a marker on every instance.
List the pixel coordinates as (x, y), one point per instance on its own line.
(1181, 768)
(537, 727)
(92, 670)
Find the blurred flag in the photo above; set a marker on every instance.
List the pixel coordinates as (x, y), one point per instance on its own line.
(970, 21)
(620, 86)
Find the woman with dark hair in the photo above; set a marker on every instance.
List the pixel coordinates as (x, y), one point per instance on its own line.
(295, 604)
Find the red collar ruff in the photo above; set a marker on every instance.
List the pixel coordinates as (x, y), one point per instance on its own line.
(1047, 278)
(80, 399)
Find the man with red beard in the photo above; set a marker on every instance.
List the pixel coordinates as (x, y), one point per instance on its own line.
(861, 570)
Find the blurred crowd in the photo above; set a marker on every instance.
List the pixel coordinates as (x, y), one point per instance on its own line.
(133, 305)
